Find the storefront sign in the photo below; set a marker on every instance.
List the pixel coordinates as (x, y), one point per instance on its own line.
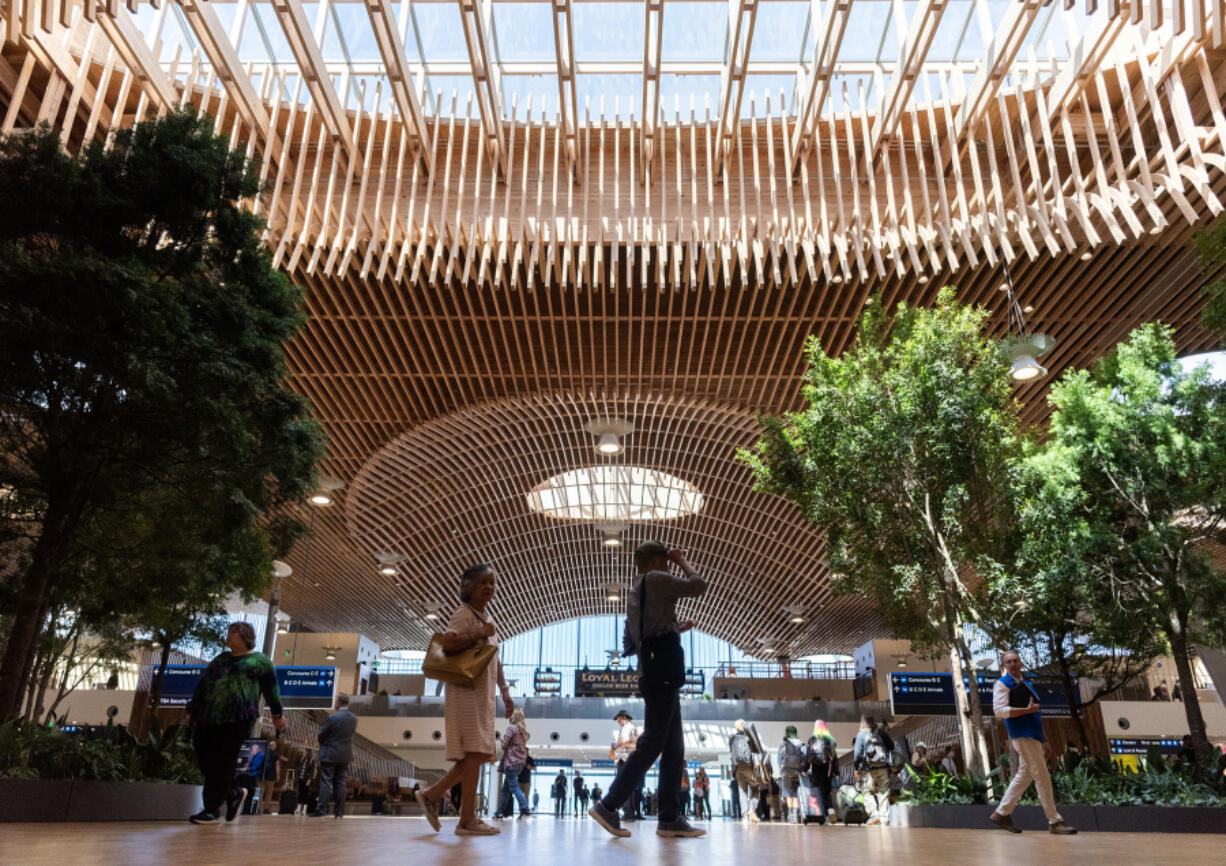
(608, 683)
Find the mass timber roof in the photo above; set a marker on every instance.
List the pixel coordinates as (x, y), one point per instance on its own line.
(488, 273)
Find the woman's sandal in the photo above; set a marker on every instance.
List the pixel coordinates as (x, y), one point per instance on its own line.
(430, 809)
(478, 828)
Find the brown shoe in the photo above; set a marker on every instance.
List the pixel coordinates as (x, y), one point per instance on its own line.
(1059, 828)
(1006, 821)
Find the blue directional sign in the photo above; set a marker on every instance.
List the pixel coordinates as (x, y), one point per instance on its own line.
(932, 694)
(302, 687)
(1166, 746)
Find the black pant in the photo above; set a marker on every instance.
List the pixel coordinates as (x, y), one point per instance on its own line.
(631, 808)
(736, 800)
(332, 787)
(559, 806)
(217, 748)
(661, 738)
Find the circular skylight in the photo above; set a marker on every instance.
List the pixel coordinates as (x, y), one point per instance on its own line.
(617, 494)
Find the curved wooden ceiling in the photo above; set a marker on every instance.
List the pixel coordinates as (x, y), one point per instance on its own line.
(476, 300)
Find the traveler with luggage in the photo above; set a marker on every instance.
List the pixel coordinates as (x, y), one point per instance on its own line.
(792, 761)
(872, 765)
(822, 766)
(743, 768)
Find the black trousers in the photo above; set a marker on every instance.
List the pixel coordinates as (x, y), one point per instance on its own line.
(217, 748)
(631, 808)
(661, 738)
(332, 787)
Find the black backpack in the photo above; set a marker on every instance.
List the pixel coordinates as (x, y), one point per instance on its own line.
(793, 756)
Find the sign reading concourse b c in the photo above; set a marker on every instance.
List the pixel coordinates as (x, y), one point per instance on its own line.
(608, 683)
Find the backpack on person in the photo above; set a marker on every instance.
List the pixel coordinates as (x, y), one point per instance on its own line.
(875, 751)
(739, 747)
(793, 757)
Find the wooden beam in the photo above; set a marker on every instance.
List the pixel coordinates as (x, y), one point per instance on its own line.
(908, 69)
(653, 34)
(564, 44)
(311, 64)
(477, 16)
(130, 44)
(387, 34)
(741, 17)
(826, 44)
(996, 64)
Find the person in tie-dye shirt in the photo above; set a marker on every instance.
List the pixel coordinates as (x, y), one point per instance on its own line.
(221, 711)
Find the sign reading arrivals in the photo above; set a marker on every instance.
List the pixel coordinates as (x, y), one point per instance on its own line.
(608, 683)
(933, 694)
(301, 687)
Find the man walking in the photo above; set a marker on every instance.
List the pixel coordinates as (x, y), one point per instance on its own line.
(653, 632)
(1016, 701)
(335, 753)
(623, 747)
(559, 794)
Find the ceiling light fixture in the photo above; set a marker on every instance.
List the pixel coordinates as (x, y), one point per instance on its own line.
(1086, 256)
(432, 612)
(796, 614)
(608, 433)
(612, 592)
(1022, 347)
(324, 490)
(921, 279)
(388, 562)
(611, 533)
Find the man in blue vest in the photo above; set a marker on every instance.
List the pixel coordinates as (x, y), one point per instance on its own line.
(1016, 701)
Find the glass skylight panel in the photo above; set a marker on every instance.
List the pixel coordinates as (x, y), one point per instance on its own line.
(356, 33)
(440, 31)
(524, 32)
(611, 31)
(694, 31)
(622, 95)
(262, 39)
(699, 90)
(779, 29)
(954, 23)
(618, 494)
(517, 89)
(866, 22)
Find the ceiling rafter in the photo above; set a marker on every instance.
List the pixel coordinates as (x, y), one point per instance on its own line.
(314, 71)
(741, 17)
(996, 64)
(653, 35)
(1084, 60)
(220, 50)
(564, 46)
(135, 53)
(477, 16)
(826, 44)
(908, 69)
(396, 63)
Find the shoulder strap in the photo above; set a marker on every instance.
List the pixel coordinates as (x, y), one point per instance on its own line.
(642, 605)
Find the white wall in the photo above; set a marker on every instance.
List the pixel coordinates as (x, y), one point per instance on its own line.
(355, 654)
(89, 706)
(1159, 718)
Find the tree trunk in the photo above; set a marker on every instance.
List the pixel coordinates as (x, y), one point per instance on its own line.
(155, 688)
(1178, 637)
(1070, 694)
(31, 608)
(971, 689)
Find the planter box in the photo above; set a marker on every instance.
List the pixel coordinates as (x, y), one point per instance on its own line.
(1113, 819)
(78, 800)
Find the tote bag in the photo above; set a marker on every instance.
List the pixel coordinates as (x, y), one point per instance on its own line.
(457, 669)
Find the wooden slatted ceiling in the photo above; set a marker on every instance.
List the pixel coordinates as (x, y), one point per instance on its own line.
(465, 327)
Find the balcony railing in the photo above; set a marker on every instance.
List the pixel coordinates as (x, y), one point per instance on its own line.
(800, 670)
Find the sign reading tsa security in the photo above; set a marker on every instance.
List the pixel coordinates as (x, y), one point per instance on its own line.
(608, 683)
(933, 694)
(302, 687)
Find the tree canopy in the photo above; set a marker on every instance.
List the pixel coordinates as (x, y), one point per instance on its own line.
(142, 332)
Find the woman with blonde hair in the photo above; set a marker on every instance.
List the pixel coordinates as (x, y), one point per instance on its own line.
(469, 712)
(515, 755)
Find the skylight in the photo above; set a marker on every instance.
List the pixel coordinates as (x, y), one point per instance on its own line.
(618, 494)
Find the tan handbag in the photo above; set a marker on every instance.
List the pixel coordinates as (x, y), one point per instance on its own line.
(457, 669)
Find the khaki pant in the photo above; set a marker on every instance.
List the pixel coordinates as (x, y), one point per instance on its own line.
(268, 790)
(875, 786)
(1031, 767)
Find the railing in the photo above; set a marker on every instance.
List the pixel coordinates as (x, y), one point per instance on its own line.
(801, 670)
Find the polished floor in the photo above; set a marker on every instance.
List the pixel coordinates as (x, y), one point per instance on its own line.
(573, 842)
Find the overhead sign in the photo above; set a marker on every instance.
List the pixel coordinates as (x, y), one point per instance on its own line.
(608, 683)
(933, 694)
(603, 763)
(553, 762)
(1141, 746)
(301, 687)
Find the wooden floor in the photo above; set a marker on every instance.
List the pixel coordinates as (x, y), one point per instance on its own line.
(545, 842)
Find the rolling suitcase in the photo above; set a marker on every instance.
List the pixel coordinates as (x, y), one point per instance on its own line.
(289, 801)
(849, 803)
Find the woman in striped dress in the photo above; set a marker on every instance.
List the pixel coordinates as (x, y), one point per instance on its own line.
(469, 712)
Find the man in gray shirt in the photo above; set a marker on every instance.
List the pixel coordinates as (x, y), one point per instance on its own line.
(652, 629)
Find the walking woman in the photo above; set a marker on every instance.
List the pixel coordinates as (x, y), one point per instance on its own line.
(702, 795)
(515, 750)
(469, 712)
(220, 713)
(823, 766)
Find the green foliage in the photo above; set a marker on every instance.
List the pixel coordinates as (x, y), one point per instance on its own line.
(1095, 782)
(110, 754)
(1211, 244)
(149, 433)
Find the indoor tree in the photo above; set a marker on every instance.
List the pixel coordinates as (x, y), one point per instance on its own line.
(904, 455)
(1144, 441)
(142, 328)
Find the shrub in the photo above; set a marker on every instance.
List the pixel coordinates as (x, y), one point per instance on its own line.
(109, 754)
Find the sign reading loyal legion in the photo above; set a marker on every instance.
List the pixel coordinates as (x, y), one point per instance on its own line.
(608, 683)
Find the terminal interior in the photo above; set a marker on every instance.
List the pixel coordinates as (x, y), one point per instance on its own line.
(558, 260)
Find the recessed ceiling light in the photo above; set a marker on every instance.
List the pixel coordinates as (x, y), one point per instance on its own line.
(323, 491)
(1004, 287)
(837, 278)
(1028, 309)
(921, 279)
(1086, 256)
